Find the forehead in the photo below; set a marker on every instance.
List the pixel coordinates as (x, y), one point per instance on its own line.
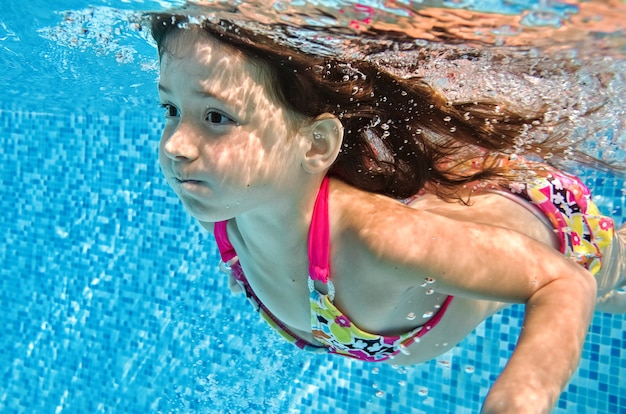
(194, 44)
(195, 65)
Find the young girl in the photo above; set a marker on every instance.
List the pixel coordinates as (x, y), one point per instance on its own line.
(364, 216)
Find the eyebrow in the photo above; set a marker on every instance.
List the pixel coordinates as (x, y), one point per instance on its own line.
(164, 89)
(200, 93)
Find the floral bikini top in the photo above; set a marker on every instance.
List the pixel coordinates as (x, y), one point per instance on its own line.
(331, 327)
(560, 197)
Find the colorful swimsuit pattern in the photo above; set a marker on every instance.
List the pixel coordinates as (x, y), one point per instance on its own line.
(561, 197)
(230, 265)
(582, 231)
(332, 328)
(329, 325)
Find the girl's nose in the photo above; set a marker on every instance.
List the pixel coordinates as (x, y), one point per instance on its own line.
(181, 145)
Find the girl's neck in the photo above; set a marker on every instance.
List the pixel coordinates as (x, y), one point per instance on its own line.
(281, 227)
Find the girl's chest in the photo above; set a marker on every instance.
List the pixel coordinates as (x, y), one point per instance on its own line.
(282, 289)
(367, 301)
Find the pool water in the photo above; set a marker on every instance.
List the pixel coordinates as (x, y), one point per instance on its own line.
(110, 296)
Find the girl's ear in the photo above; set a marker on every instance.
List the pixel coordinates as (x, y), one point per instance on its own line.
(324, 136)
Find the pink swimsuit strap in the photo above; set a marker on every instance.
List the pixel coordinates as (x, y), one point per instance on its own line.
(227, 251)
(319, 237)
(231, 264)
(354, 341)
(324, 314)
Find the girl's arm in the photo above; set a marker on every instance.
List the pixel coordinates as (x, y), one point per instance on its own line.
(490, 263)
(548, 351)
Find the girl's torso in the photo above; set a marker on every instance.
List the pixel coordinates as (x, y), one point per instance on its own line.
(363, 292)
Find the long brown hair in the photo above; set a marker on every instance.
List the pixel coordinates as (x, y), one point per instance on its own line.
(400, 134)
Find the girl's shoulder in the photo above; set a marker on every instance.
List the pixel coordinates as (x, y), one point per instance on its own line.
(377, 222)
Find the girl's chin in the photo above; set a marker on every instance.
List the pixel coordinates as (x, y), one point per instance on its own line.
(202, 215)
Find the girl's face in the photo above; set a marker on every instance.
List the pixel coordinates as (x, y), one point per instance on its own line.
(226, 148)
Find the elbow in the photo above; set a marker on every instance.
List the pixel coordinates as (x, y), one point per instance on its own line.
(584, 291)
(588, 287)
(577, 289)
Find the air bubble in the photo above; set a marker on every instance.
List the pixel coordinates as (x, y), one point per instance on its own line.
(411, 316)
(422, 392)
(380, 394)
(470, 369)
(429, 292)
(428, 315)
(539, 18)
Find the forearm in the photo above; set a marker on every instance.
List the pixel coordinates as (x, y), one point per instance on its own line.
(549, 348)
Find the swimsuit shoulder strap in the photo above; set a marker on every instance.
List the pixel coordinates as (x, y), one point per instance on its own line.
(227, 251)
(319, 237)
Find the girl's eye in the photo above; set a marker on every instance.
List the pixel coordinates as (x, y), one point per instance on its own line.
(219, 118)
(170, 111)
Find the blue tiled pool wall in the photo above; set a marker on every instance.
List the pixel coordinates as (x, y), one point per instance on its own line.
(111, 300)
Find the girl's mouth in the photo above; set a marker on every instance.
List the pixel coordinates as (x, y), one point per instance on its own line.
(189, 185)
